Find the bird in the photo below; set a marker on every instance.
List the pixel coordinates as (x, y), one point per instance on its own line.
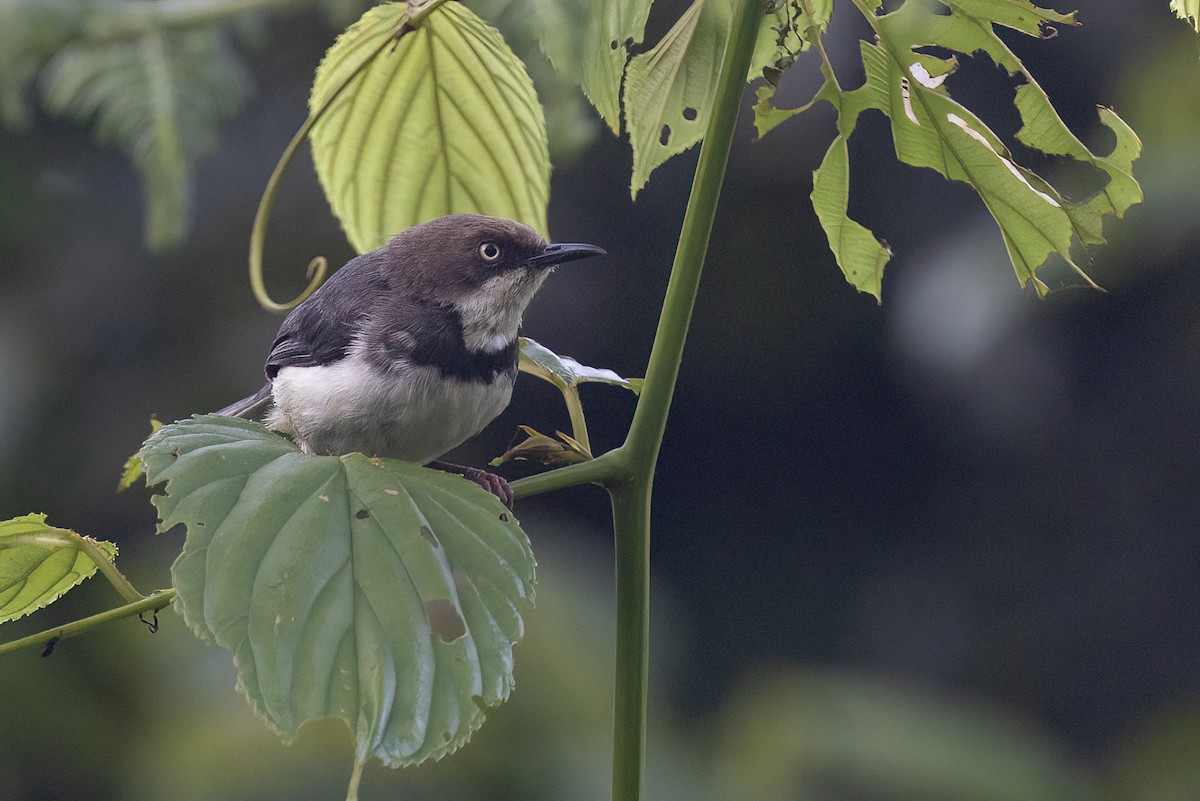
(409, 350)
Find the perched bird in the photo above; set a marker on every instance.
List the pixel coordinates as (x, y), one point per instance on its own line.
(409, 350)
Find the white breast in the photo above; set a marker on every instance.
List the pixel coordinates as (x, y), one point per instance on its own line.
(410, 413)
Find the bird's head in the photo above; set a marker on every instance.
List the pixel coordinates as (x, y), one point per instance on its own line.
(488, 268)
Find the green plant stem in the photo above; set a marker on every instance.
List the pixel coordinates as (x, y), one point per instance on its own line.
(631, 523)
(151, 603)
(115, 577)
(601, 470)
(578, 422)
(631, 491)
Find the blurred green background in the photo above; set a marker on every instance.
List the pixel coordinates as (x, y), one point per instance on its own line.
(946, 548)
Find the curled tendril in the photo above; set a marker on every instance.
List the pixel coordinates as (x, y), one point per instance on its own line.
(318, 268)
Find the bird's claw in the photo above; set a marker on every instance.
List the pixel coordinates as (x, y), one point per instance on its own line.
(489, 481)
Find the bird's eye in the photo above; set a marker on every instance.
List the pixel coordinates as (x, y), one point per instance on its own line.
(490, 251)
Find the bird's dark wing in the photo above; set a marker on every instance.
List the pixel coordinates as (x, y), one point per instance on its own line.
(321, 330)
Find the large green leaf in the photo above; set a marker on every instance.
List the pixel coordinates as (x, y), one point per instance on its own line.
(423, 122)
(39, 563)
(159, 97)
(374, 590)
(931, 130)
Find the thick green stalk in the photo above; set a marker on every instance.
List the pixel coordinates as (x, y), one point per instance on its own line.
(650, 419)
(631, 489)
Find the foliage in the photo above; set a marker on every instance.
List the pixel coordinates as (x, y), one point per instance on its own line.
(160, 101)
(443, 119)
(40, 563)
(389, 595)
(1189, 10)
(908, 84)
(373, 590)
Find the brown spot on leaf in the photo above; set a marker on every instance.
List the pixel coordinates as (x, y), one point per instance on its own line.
(689, 113)
(444, 620)
(503, 517)
(362, 514)
(427, 535)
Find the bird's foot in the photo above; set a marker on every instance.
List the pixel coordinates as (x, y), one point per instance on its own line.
(489, 481)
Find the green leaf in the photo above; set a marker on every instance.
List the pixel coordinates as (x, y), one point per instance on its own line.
(424, 122)
(588, 41)
(133, 465)
(1189, 10)
(611, 26)
(373, 590)
(860, 255)
(930, 129)
(159, 98)
(669, 88)
(564, 372)
(39, 563)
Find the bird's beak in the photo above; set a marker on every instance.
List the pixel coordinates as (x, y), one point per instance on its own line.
(558, 254)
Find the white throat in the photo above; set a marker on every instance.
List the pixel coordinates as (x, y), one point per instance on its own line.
(491, 313)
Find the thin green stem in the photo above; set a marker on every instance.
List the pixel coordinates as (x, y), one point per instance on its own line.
(578, 422)
(601, 470)
(631, 489)
(151, 603)
(115, 577)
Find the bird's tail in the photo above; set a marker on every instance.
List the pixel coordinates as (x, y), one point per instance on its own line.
(251, 407)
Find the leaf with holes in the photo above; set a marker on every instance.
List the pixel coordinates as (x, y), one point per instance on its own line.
(669, 88)
(930, 129)
(586, 41)
(373, 590)
(427, 121)
(40, 563)
(563, 371)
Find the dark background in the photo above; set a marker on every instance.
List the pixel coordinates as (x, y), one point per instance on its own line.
(968, 500)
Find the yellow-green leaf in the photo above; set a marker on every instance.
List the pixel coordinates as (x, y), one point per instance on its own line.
(133, 465)
(860, 255)
(669, 87)
(1189, 10)
(427, 121)
(40, 563)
